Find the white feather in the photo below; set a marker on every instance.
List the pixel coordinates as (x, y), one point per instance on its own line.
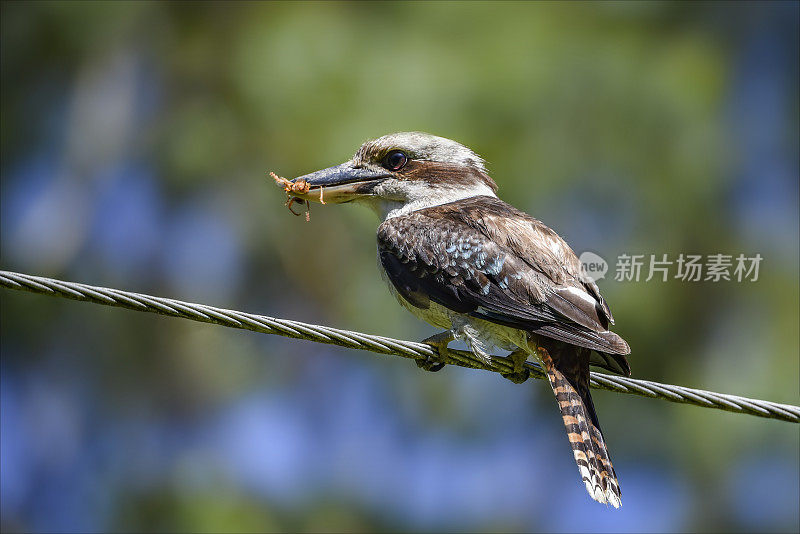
(419, 195)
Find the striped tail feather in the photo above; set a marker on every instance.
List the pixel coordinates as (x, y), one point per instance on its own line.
(567, 369)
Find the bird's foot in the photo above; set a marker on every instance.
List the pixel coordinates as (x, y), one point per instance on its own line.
(439, 342)
(520, 373)
(518, 377)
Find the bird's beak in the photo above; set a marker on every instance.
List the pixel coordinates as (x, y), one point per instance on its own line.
(341, 183)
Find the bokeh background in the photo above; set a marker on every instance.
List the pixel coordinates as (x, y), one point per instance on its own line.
(135, 142)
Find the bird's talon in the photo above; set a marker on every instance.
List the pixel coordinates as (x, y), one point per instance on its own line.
(518, 377)
(430, 365)
(439, 343)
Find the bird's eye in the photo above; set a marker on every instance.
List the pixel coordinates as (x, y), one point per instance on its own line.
(395, 160)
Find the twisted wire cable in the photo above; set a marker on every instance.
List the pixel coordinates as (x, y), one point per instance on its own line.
(379, 344)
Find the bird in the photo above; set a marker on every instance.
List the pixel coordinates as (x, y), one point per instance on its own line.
(486, 273)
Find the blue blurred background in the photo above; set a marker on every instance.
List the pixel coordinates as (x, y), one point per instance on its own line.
(135, 138)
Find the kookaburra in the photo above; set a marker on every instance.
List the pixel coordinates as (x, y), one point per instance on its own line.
(463, 260)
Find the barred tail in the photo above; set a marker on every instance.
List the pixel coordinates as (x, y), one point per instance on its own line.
(568, 370)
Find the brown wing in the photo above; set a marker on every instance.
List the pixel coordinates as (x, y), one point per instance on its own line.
(543, 250)
(459, 256)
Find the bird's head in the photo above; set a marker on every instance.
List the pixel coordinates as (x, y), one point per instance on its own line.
(402, 172)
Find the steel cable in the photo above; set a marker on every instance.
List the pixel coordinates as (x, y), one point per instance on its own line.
(379, 344)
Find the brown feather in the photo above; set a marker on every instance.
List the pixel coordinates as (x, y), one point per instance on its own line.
(567, 369)
(489, 259)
